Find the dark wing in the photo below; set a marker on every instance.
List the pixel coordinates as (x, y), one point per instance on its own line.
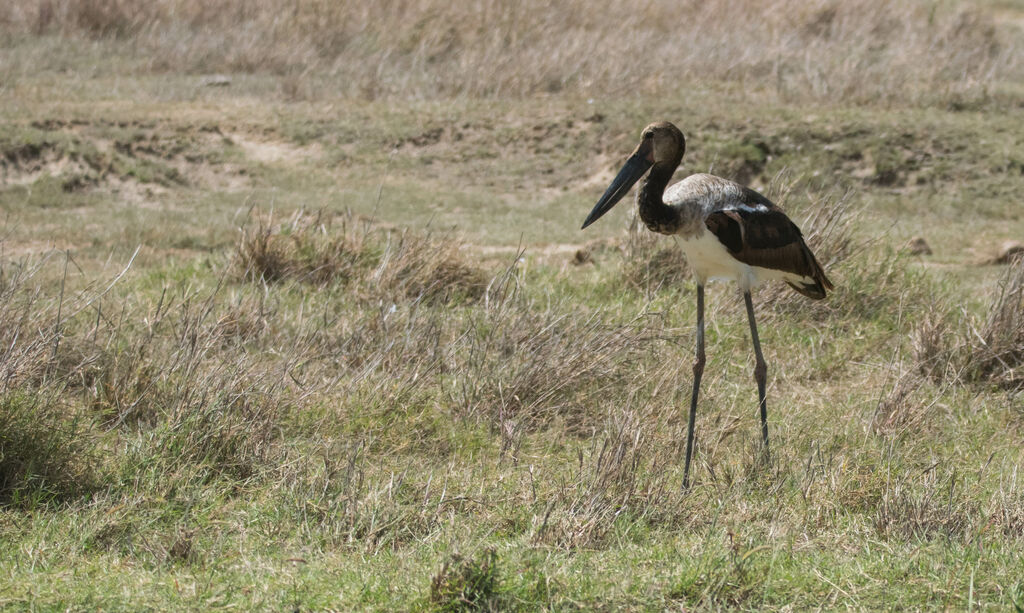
(758, 233)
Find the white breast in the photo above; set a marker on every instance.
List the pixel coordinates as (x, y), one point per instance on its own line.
(709, 259)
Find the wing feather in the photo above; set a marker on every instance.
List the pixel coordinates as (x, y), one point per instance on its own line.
(758, 233)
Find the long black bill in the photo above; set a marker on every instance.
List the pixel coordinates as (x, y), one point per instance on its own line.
(635, 167)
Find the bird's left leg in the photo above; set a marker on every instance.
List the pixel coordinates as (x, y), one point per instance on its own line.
(698, 370)
(760, 371)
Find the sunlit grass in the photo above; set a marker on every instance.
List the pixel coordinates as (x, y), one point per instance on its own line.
(363, 358)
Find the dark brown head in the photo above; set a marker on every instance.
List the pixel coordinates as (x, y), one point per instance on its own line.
(660, 143)
(667, 143)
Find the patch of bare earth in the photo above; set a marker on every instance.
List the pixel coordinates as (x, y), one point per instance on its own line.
(474, 149)
(270, 151)
(143, 161)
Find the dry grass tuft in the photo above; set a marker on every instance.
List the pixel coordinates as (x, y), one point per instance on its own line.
(47, 448)
(997, 349)
(928, 510)
(311, 249)
(929, 345)
(991, 351)
(304, 248)
(162, 369)
(30, 329)
(44, 456)
(904, 409)
(427, 268)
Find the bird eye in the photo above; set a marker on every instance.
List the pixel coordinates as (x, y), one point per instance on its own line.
(648, 135)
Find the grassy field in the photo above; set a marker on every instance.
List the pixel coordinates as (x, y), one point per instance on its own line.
(295, 312)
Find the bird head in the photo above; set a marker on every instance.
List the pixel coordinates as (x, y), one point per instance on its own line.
(660, 143)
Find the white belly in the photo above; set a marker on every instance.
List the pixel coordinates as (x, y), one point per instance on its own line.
(709, 260)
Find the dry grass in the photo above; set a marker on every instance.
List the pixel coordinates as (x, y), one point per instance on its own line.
(623, 474)
(210, 375)
(868, 50)
(929, 344)
(967, 350)
(428, 268)
(44, 456)
(26, 353)
(928, 509)
(997, 348)
(652, 263)
(909, 408)
(74, 364)
(326, 418)
(318, 411)
(45, 452)
(319, 249)
(530, 363)
(303, 248)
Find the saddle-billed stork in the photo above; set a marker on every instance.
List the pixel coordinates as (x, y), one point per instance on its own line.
(728, 231)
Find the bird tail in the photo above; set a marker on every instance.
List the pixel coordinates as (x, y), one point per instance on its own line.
(817, 289)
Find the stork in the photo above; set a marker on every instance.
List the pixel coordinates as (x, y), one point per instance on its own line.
(728, 232)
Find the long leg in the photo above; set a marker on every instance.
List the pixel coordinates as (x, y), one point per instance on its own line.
(760, 371)
(698, 370)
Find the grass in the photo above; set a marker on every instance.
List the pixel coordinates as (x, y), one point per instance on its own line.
(328, 336)
(930, 52)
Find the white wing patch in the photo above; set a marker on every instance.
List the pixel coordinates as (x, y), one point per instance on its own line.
(759, 208)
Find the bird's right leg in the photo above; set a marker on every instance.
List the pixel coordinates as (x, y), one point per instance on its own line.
(760, 372)
(698, 370)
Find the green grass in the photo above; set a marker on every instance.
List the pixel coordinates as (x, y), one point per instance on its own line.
(290, 443)
(365, 359)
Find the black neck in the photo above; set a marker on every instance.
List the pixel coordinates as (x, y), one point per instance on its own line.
(655, 214)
